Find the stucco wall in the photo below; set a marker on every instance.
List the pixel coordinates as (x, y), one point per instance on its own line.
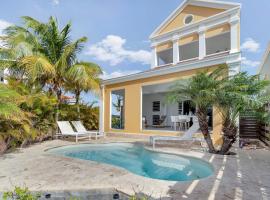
(133, 103)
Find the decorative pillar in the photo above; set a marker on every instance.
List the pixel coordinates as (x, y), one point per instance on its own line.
(234, 67)
(154, 62)
(234, 34)
(101, 110)
(175, 49)
(202, 45)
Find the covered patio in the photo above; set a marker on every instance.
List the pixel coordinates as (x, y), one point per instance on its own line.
(160, 114)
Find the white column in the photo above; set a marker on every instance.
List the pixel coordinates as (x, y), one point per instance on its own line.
(175, 50)
(234, 68)
(234, 34)
(154, 57)
(101, 110)
(202, 45)
(5, 75)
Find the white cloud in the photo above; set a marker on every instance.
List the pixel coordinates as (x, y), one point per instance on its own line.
(117, 74)
(3, 24)
(250, 45)
(111, 49)
(250, 63)
(55, 2)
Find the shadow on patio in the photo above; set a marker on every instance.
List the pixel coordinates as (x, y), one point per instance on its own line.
(244, 176)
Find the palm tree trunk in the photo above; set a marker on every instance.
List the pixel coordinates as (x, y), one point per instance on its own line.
(202, 118)
(58, 94)
(77, 96)
(229, 136)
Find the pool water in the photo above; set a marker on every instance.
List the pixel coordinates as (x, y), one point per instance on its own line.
(138, 160)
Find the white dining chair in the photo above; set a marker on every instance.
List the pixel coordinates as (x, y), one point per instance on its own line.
(182, 120)
(174, 121)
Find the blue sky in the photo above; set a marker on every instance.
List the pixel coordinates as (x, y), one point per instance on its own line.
(119, 29)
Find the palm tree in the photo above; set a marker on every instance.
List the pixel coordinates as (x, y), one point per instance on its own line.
(42, 54)
(83, 76)
(12, 118)
(239, 94)
(199, 89)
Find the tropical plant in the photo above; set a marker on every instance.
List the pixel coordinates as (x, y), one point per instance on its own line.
(89, 114)
(20, 194)
(240, 94)
(199, 89)
(14, 122)
(83, 76)
(26, 114)
(230, 95)
(44, 55)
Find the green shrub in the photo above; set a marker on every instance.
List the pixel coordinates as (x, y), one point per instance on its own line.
(136, 197)
(20, 194)
(87, 113)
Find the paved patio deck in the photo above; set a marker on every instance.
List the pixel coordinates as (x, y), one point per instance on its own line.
(245, 175)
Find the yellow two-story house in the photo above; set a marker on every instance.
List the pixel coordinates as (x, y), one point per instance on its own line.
(198, 35)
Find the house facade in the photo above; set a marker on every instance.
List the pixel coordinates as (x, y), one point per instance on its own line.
(264, 67)
(264, 72)
(198, 35)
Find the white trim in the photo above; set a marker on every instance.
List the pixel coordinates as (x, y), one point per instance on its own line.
(154, 57)
(208, 23)
(167, 131)
(234, 33)
(176, 57)
(204, 3)
(234, 68)
(202, 42)
(101, 110)
(110, 111)
(179, 67)
(169, 18)
(264, 58)
(141, 109)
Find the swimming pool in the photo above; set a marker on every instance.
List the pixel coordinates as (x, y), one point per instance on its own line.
(138, 160)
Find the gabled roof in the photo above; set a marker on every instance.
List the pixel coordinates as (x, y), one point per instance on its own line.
(203, 3)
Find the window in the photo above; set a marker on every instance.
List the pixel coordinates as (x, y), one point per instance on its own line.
(188, 19)
(180, 108)
(2, 79)
(156, 106)
(118, 109)
(218, 43)
(189, 50)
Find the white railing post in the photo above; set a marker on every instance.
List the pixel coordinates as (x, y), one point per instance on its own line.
(154, 56)
(202, 45)
(101, 110)
(234, 34)
(175, 49)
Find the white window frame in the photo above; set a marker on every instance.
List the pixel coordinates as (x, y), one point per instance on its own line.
(188, 15)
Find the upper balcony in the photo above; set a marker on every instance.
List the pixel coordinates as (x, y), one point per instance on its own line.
(214, 35)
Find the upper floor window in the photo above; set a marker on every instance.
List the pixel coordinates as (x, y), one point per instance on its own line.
(188, 19)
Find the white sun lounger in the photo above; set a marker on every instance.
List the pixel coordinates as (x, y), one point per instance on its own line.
(188, 135)
(67, 130)
(78, 125)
